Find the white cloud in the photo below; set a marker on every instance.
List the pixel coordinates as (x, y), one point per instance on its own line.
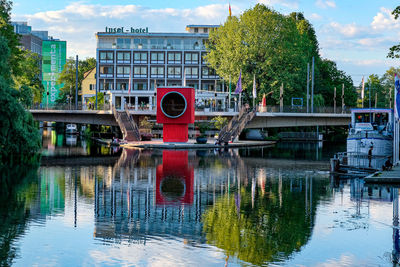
(325, 3)
(293, 4)
(384, 20)
(315, 16)
(351, 30)
(78, 22)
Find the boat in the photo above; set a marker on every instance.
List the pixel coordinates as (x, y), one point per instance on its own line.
(370, 138)
(71, 129)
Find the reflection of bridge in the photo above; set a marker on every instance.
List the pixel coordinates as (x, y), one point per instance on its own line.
(262, 119)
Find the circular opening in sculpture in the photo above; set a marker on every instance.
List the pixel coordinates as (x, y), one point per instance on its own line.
(173, 104)
(172, 188)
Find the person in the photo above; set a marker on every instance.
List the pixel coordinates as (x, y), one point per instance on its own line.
(388, 165)
(370, 155)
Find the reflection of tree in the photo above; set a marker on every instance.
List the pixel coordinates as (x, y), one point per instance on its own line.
(18, 193)
(270, 231)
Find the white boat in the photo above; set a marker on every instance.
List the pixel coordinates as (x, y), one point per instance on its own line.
(370, 139)
(71, 129)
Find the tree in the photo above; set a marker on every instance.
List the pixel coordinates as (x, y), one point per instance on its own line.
(11, 38)
(276, 49)
(263, 43)
(29, 75)
(68, 75)
(394, 50)
(19, 138)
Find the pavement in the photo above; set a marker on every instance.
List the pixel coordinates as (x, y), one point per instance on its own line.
(191, 144)
(392, 176)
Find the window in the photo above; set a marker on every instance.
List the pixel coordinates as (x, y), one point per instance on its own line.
(191, 58)
(106, 85)
(123, 57)
(205, 30)
(140, 44)
(174, 44)
(192, 72)
(124, 43)
(157, 72)
(207, 86)
(174, 58)
(140, 86)
(140, 57)
(157, 57)
(174, 72)
(106, 71)
(208, 73)
(122, 86)
(140, 72)
(106, 57)
(193, 85)
(191, 44)
(196, 30)
(159, 84)
(157, 43)
(123, 71)
(91, 86)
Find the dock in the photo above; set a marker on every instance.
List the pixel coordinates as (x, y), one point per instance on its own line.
(191, 144)
(385, 177)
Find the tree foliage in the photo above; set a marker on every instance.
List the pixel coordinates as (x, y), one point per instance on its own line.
(395, 50)
(276, 49)
(68, 77)
(19, 138)
(29, 76)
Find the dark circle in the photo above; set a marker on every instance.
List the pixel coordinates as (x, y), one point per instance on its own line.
(173, 104)
(172, 188)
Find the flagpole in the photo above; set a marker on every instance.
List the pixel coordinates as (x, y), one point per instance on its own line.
(254, 91)
(230, 92)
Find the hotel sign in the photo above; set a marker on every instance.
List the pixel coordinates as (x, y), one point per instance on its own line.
(131, 30)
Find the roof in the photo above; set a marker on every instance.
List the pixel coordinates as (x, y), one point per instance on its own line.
(104, 34)
(202, 26)
(88, 72)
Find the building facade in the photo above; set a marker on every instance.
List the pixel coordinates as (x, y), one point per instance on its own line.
(151, 60)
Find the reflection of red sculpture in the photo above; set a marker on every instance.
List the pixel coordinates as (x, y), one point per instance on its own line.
(175, 109)
(174, 179)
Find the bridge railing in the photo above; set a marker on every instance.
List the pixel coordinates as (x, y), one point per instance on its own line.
(261, 109)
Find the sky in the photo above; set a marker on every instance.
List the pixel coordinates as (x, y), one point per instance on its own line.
(356, 34)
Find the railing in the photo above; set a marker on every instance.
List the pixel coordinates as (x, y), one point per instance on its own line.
(260, 109)
(361, 161)
(133, 124)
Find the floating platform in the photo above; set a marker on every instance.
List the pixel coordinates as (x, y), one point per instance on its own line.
(191, 144)
(385, 177)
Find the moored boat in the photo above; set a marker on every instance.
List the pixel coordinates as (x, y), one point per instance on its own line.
(370, 138)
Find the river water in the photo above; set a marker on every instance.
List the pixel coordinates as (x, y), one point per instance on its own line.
(89, 205)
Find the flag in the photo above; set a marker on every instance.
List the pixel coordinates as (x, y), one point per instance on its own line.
(230, 10)
(397, 96)
(362, 89)
(254, 87)
(130, 83)
(239, 84)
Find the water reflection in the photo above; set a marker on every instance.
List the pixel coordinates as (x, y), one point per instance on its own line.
(217, 206)
(17, 204)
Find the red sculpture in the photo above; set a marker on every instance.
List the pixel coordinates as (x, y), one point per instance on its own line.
(175, 110)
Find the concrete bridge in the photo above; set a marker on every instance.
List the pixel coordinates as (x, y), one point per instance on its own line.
(262, 119)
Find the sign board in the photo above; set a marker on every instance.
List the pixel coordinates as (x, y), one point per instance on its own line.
(365, 126)
(54, 55)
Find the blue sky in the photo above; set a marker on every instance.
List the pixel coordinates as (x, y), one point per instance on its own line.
(356, 34)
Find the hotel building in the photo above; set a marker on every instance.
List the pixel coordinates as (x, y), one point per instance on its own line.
(154, 60)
